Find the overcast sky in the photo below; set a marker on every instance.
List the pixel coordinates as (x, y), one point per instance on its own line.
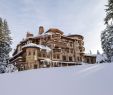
(84, 17)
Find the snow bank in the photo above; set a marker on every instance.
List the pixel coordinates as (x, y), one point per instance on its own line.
(76, 80)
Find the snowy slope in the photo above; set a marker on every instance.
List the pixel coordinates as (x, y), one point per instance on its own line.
(76, 80)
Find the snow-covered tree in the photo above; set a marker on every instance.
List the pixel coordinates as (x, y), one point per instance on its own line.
(10, 68)
(5, 45)
(90, 52)
(107, 34)
(2, 68)
(5, 41)
(107, 41)
(101, 58)
(109, 12)
(7, 68)
(98, 52)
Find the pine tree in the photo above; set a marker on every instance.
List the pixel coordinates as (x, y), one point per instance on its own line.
(107, 41)
(98, 52)
(5, 41)
(5, 45)
(109, 12)
(1, 40)
(107, 34)
(90, 52)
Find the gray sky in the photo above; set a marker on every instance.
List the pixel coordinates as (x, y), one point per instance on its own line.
(83, 17)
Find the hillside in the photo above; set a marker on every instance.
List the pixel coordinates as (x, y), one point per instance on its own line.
(76, 80)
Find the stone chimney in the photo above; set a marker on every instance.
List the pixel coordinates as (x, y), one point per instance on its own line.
(41, 29)
(29, 35)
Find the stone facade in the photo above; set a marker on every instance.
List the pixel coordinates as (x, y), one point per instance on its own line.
(49, 49)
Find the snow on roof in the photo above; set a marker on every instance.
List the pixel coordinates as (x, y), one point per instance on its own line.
(43, 35)
(49, 33)
(87, 54)
(37, 46)
(31, 45)
(16, 54)
(44, 47)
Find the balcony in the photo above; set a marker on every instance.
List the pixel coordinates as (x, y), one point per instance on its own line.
(56, 50)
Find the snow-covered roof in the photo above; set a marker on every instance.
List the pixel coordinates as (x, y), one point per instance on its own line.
(44, 47)
(16, 55)
(93, 55)
(31, 45)
(37, 46)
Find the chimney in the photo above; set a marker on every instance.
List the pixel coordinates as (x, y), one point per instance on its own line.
(41, 29)
(28, 35)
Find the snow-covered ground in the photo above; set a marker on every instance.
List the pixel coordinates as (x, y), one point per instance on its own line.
(76, 80)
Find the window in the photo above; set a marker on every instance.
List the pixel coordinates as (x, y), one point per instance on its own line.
(78, 58)
(88, 60)
(64, 58)
(58, 56)
(92, 60)
(29, 53)
(35, 66)
(34, 53)
(70, 58)
(67, 50)
(71, 44)
(54, 56)
(44, 55)
(71, 50)
(39, 54)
